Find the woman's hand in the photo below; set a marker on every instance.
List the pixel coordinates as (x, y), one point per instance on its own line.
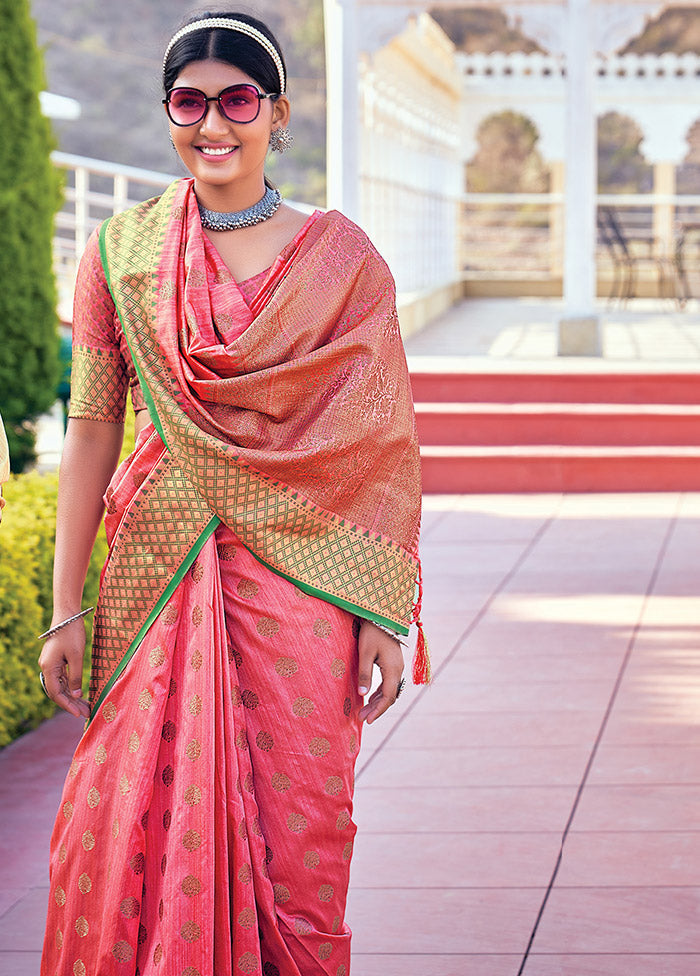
(61, 662)
(377, 647)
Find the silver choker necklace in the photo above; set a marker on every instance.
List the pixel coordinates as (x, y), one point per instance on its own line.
(262, 210)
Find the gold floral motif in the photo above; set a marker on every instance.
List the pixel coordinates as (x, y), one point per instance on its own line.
(122, 951)
(82, 926)
(156, 657)
(62, 854)
(312, 859)
(79, 968)
(245, 874)
(325, 892)
(195, 705)
(115, 829)
(191, 886)
(134, 742)
(93, 797)
(302, 926)
(303, 707)
(322, 628)
(74, 768)
(281, 782)
(88, 840)
(319, 746)
(197, 572)
(169, 615)
(59, 939)
(197, 660)
(158, 954)
(68, 810)
(190, 931)
(145, 700)
(338, 668)
(60, 896)
(130, 907)
(334, 786)
(193, 750)
(197, 616)
(84, 883)
(282, 894)
(343, 821)
(248, 963)
(193, 796)
(101, 755)
(247, 918)
(247, 588)
(124, 785)
(347, 851)
(191, 840)
(109, 711)
(267, 627)
(286, 667)
(325, 950)
(297, 823)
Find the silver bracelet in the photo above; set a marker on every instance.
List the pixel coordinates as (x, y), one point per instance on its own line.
(64, 623)
(387, 630)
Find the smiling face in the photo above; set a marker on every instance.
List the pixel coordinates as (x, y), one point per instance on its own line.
(227, 159)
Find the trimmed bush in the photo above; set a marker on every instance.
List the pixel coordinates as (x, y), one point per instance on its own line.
(27, 535)
(29, 198)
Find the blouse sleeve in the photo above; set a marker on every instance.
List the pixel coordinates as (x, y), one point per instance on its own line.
(99, 375)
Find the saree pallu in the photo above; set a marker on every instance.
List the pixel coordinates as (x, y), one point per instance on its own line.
(206, 825)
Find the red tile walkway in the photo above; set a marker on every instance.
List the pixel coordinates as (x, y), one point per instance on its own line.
(536, 810)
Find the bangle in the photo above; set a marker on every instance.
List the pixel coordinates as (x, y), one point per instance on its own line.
(387, 630)
(64, 623)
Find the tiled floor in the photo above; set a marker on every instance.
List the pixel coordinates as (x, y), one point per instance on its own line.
(565, 710)
(534, 812)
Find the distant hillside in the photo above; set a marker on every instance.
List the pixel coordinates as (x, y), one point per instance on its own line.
(109, 55)
(485, 30)
(676, 29)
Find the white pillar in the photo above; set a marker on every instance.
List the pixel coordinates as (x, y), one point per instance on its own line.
(342, 109)
(579, 330)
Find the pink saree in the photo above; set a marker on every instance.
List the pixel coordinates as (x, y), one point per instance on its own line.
(206, 823)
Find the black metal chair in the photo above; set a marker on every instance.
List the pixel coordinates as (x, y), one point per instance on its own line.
(626, 263)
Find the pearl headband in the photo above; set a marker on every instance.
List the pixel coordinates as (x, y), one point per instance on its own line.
(235, 25)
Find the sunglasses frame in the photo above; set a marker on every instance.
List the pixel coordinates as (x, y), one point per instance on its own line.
(216, 98)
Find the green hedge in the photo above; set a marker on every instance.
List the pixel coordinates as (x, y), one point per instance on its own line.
(27, 534)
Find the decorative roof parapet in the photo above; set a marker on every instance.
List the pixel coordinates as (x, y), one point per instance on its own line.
(625, 66)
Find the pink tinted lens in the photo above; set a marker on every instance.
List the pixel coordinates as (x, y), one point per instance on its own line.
(187, 105)
(240, 103)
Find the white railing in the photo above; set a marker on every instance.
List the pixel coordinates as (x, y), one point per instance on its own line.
(520, 236)
(94, 190)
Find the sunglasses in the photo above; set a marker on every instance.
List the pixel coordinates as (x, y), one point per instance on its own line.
(239, 103)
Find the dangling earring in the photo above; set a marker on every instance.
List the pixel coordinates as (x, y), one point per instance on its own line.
(280, 140)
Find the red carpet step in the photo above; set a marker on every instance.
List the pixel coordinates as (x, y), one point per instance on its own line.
(539, 432)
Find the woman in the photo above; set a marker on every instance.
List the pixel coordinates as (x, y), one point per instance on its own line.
(263, 551)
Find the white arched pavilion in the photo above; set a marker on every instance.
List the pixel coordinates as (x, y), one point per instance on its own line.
(565, 91)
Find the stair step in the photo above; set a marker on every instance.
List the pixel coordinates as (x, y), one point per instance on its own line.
(572, 387)
(557, 423)
(544, 468)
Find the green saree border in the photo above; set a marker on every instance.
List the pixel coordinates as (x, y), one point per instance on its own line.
(150, 402)
(160, 603)
(337, 601)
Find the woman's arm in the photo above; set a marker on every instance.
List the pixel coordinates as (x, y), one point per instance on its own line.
(378, 647)
(90, 457)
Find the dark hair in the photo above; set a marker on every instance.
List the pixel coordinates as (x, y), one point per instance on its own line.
(229, 46)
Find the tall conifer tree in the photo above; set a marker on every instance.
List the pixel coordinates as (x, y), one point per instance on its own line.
(29, 198)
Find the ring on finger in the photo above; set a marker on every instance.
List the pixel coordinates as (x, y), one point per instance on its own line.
(42, 679)
(400, 687)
